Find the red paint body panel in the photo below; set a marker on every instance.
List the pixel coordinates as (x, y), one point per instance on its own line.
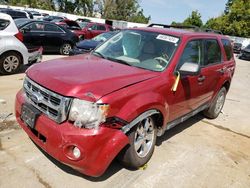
(99, 147)
(129, 91)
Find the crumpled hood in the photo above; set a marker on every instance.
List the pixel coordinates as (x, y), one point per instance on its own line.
(76, 76)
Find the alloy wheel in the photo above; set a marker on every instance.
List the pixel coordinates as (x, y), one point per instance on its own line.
(11, 63)
(144, 137)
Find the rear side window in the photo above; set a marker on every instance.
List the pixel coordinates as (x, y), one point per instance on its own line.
(52, 28)
(192, 53)
(228, 48)
(4, 24)
(212, 52)
(101, 28)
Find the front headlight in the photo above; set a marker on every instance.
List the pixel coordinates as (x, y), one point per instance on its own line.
(87, 114)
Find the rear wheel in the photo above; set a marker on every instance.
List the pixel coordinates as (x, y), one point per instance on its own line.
(10, 63)
(216, 106)
(65, 49)
(142, 142)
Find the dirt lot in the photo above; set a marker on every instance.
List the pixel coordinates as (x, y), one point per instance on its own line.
(197, 153)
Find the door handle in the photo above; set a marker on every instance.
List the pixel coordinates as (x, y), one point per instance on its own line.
(41, 35)
(222, 70)
(201, 78)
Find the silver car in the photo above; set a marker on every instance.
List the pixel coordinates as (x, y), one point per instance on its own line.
(13, 53)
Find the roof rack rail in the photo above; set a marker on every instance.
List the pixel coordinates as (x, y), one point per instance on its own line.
(194, 28)
(212, 31)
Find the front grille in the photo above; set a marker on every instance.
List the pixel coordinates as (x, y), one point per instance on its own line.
(55, 106)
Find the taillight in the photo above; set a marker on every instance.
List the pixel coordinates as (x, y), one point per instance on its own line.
(19, 36)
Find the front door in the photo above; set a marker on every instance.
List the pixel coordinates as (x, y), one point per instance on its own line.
(190, 90)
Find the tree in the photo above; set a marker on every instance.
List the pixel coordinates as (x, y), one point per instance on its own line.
(235, 21)
(194, 19)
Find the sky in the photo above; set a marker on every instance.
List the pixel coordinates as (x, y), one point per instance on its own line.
(166, 11)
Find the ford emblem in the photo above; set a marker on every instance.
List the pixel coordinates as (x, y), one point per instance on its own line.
(36, 97)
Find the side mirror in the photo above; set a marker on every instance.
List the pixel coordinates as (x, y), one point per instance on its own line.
(189, 68)
(89, 29)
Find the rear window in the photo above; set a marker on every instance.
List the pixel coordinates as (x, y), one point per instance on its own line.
(228, 48)
(212, 52)
(4, 24)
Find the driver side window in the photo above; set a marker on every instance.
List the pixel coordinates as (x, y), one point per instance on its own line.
(192, 53)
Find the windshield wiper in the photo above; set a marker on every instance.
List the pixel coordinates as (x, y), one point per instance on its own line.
(119, 61)
(99, 54)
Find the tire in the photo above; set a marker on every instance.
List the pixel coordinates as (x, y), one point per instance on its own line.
(216, 106)
(65, 49)
(136, 155)
(10, 63)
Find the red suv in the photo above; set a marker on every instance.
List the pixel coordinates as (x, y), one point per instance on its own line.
(87, 110)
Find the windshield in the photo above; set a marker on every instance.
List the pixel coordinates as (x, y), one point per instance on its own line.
(147, 50)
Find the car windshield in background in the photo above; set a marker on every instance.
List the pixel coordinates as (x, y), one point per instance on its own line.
(20, 22)
(4, 24)
(147, 50)
(103, 37)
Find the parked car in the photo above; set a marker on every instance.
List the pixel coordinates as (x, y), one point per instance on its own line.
(86, 110)
(15, 14)
(50, 18)
(52, 37)
(13, 53)
(245, 53)
(91, 29)
(83, 20)
(71, 25)
(36, 15)
(87, 45)
(237, 47)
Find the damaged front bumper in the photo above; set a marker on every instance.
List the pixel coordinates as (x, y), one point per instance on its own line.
(97, 147)
(35, 55)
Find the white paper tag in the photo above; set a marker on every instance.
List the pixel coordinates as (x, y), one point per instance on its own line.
(167, 38)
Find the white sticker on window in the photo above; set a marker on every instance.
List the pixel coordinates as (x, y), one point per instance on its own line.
(167, 38)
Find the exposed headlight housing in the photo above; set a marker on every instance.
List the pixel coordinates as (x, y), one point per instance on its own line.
(87, 114)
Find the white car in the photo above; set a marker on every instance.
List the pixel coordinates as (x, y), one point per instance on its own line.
(13, 53)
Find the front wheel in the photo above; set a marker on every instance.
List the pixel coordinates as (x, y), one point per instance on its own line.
(65, 49)
(142, 142)
(216, 106)
(10, 63)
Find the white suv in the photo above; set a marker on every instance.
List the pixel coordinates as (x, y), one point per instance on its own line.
(13, 53)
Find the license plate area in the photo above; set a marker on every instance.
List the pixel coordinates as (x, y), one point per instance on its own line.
(29, 115)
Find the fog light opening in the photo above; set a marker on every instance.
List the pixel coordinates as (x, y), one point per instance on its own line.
(76, 152)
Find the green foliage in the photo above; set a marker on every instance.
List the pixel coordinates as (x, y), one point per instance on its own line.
(235, 20)
(127, 10)
(194, 19)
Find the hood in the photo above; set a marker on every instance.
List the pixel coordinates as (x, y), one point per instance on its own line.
(78, 76)
(246, 50)
(87, 44)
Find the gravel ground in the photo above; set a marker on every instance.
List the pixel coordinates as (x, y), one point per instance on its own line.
(196, 153)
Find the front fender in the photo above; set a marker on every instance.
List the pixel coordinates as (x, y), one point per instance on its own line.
(142, 103)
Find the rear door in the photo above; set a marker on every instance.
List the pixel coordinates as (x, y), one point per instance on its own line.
(212, 68)
(53, 37)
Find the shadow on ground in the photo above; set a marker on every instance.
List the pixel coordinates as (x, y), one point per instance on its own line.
(115, 166)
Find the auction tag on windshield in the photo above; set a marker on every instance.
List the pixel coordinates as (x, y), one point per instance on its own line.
(167, 38)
